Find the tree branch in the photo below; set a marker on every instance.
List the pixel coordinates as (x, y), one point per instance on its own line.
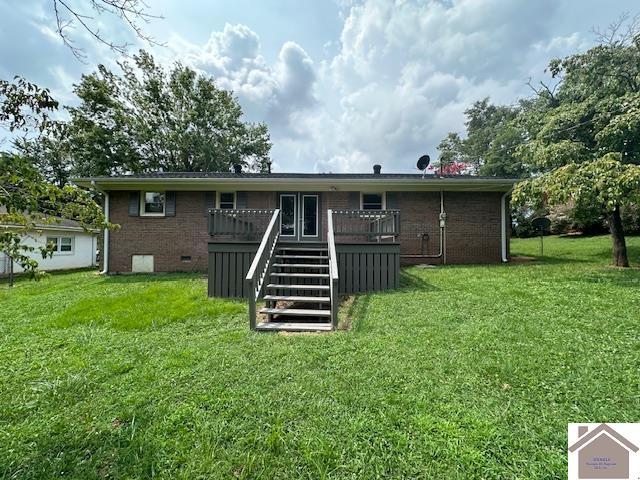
(131, 12)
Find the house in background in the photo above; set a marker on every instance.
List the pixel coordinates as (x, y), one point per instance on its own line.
(74, 247)
(296, 241)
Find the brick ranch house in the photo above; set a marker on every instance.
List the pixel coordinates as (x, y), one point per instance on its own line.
(294, 237)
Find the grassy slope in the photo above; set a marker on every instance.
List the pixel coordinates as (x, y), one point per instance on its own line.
(467, 372)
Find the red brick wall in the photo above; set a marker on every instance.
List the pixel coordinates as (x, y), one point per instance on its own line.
(473, 228)
(262, 200)
(333, 201)
(166, 238)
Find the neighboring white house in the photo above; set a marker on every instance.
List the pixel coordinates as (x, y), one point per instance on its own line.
(74, 247)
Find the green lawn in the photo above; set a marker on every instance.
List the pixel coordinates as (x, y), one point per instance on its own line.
(466, 372)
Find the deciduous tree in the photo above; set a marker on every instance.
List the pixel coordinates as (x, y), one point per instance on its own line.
(27, 199)
(588, 143)
(492, 135)
(149, 118)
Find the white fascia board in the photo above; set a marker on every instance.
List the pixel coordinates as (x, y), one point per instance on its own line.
(299, 184)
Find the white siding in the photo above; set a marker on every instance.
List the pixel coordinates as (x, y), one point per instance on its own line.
(83, 254)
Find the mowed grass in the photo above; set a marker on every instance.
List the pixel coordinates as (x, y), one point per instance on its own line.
(466, 372)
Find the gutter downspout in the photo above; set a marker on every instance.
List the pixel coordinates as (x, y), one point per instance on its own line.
(105, 237)
(442, 252)
(503, 230)
(105, 234)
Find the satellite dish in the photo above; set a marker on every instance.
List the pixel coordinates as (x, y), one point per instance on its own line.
(541, 223)
(423, 162)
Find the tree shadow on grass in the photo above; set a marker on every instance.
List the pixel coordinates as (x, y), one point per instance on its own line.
(155, 277)
(549, 260)
(411, 281)
(586, 254)
(112, 451)
(20, 277)
(358, 312)
(618, 277)
(602, 256)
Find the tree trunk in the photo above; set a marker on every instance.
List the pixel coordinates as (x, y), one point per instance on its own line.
(620, 258)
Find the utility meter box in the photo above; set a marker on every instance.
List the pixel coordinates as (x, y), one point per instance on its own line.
(442, 219)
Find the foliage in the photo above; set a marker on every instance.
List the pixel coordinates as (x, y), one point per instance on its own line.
(604, 183)
(631, 218)
(587, 141)
(566, 219)
(24, 106)
(179, 388)
(451, 160)
(493, 133)
(454, 168)
(49, 153)
(27, 200)
(522, 222)
(450, 149)
(29, 203)
(148, 119)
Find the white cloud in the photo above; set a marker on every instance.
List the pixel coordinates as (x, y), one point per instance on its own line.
(389, 88)
(273, 93)
(406, 71)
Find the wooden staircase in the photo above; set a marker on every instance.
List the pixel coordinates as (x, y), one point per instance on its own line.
(297, 293)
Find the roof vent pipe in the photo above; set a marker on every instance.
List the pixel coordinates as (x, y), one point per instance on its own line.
(376, 169)
(237, 168)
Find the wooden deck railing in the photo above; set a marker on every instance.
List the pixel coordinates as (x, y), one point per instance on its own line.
(333, 270)
(367, 225)
(238, 224)
(261, 264)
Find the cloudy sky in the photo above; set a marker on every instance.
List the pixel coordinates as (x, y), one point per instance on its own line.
(342, 84)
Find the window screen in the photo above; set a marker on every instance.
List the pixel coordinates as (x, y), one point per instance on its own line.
(372, 201)
(61, 244)
(227, 200)
(66, 244)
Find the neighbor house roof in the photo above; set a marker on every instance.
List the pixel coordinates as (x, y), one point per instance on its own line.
(56, 224)
(296, 181)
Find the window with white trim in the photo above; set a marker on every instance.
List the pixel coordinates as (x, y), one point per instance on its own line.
(227, 200)
(61, 245)
(152, 203)
(372, 201)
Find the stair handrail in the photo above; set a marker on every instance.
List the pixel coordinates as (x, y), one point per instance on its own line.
(333, 270)
(260, 266)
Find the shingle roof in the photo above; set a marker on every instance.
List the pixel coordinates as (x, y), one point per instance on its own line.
(55, 224)
(168, 175)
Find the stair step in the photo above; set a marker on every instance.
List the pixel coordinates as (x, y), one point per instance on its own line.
(300, 265)
(307, 257)
(300, 312)
(299, 287)
(293, 327)
(304, 275)
(295, 298)
(302, 249)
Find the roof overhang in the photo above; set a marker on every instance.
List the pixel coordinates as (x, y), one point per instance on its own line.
(51, 228)
(310, 184)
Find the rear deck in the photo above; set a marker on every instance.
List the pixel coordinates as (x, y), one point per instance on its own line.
(300, 282)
